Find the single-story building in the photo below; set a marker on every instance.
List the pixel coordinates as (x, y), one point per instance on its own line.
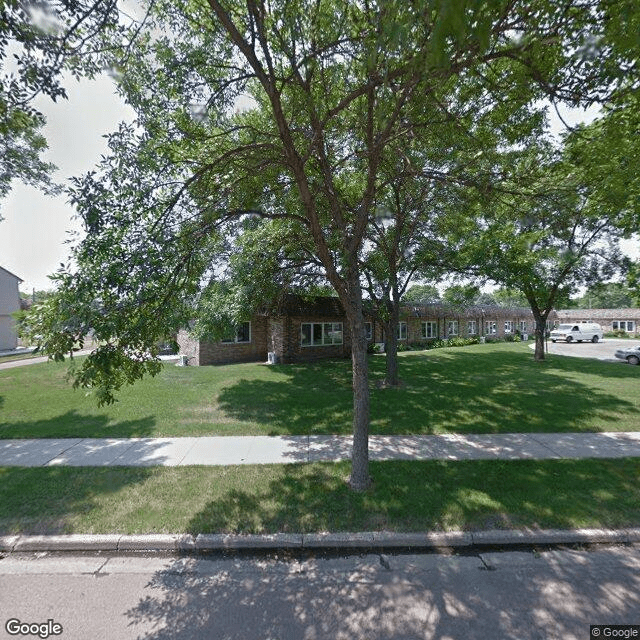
(626, 320)
(301, 329)
(9, 304)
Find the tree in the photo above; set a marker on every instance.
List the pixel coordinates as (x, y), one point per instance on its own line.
(633, 280)
(330, 87)
(401, 242)
(545, 232)
(461, 295)
(509, 297)
(422, 293)
(608, 295)
(38, 41)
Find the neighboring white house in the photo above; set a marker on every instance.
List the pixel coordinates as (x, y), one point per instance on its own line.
(9, 304)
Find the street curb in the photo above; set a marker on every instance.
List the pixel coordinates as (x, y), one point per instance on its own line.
(429, 540)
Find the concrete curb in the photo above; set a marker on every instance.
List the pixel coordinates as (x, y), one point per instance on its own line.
(337, 541)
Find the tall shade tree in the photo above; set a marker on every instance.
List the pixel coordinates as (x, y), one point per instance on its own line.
(544, 232)
(401, 241)
(285, 109)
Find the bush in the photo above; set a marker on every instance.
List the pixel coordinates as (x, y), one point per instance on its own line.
(375, 347)
(617, 334)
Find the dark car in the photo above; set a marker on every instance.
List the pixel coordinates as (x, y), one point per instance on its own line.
(630, 354)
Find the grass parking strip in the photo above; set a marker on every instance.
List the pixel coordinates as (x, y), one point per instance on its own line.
(406, 496)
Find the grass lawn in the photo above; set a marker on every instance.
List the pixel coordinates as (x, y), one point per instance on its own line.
(479, 389)
(406, 496)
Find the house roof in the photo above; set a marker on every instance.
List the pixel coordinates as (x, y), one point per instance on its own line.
(629, 313)
(327, 306)
(443, 310)
(292, 304)
(13, 275)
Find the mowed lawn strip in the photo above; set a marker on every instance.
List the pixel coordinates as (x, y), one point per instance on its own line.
(406, 496)
(495, 388)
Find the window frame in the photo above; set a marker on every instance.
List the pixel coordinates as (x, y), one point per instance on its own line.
(368, 330)
(432, 325)
(472, 327)
(508, 326)
(401, 323)
(488, 324)
(237, 330)
(456, 326)
(327, 336)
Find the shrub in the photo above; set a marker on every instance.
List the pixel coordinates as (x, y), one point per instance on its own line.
(616, 334)
(375, 347)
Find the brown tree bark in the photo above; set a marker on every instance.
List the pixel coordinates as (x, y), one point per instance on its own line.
(360, 480)
(391, 344)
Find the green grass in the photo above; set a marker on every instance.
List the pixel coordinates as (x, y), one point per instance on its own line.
(479, 389)
(406, 496)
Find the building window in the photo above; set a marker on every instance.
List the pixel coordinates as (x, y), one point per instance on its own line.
(430, 329)
(242, 334)
(490, 327)
(523, 326)
(368, 330)
(624, 325)
(452, 327)
(508, 326)
(320, 334)
(401, 331)
(472, 328)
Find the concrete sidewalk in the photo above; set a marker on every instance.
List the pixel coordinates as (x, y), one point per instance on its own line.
(238, 450)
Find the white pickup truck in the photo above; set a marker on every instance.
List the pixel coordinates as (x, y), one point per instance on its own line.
(582, 331)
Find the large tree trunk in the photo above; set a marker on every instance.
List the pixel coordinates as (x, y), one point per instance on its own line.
(391, 344)
(541, 323)
(360, 480)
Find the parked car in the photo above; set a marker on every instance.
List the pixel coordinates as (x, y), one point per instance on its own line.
(587, 331)
(630, 354)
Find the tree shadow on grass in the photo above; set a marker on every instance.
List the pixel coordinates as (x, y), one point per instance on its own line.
(46, 500)
(234, 598)
(454, 392)
(427, 495)
(73, 424)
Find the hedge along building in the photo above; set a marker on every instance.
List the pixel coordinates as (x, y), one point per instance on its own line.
(303, 329)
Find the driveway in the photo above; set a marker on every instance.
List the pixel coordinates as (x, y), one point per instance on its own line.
(603, 350)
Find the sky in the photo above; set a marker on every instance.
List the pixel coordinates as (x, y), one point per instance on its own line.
(35, 228)
(34, 234)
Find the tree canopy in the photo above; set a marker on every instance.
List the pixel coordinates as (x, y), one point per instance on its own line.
(290, 111)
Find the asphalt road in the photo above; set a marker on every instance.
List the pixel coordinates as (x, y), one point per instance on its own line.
(603, 350)
(523, 595)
